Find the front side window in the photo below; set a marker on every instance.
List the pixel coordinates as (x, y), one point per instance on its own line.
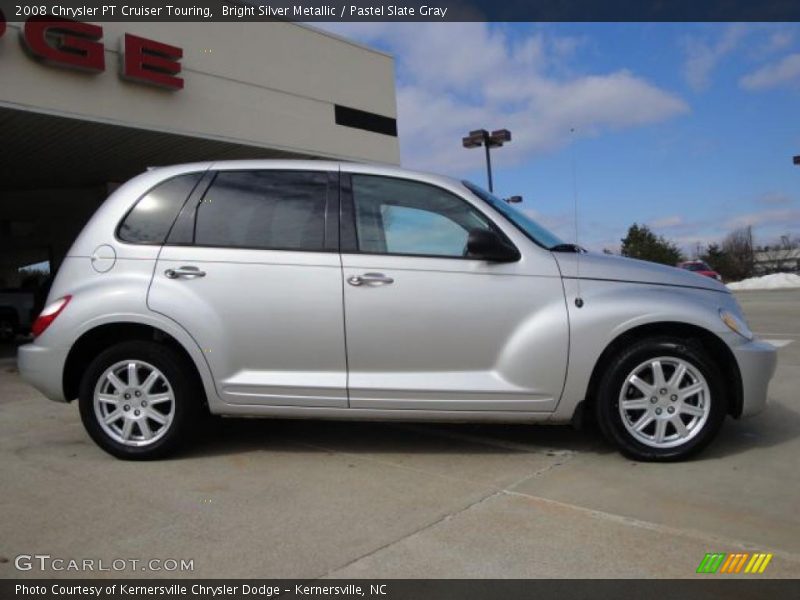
(397, 216)
(280, 210)
(150, 220)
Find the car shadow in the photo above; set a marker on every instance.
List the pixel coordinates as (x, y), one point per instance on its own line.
(218, 436)
(776, 426)
(8, 348)
(224, 436)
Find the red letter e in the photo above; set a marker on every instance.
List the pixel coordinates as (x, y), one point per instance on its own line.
(151, 62)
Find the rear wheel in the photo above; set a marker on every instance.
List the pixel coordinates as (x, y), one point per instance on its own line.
(137, 400)
(661, 399)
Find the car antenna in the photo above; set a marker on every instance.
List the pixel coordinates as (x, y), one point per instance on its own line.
(578, 249)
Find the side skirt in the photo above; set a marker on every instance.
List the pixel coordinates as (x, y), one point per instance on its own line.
(362, 414)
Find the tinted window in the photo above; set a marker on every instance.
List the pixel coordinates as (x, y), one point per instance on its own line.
(264, 209)
(151, 218)
(395, 216)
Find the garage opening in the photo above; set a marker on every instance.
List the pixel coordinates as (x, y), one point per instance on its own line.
(54, 173)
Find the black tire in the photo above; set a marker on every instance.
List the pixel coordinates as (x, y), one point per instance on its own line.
(611, 386)
(180, 377)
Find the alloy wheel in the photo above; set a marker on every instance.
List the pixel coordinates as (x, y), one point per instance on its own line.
(134, 403)
(664, 402)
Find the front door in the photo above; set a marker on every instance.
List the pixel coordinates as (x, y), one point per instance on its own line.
(252, 272)
(430, 328)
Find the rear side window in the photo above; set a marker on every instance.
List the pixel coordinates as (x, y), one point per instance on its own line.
(150, 219)
(278, 210)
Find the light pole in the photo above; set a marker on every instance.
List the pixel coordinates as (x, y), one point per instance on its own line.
(481, 137)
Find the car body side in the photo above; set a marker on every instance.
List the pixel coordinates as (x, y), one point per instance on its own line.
(612, 307)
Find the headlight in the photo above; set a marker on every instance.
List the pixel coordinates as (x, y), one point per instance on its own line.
(735, 324)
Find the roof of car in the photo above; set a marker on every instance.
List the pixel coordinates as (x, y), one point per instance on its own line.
(327, 165)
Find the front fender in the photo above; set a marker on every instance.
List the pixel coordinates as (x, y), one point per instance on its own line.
(612, 308)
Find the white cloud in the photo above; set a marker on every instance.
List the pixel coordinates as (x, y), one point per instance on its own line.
(774, 199)
(777, 41)
(667, 222)
(455, 77)
(781, 73)
(703, 56)
(781, 218)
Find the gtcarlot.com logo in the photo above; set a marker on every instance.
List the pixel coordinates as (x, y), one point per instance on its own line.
(46, 562)
(741, 562)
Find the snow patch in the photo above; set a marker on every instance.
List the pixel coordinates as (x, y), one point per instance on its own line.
(775, 281)
(778, 343)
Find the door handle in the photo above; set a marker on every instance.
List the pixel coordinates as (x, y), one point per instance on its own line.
(185, 271)
(370, 279)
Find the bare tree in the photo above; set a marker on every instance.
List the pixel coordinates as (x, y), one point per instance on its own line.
(780, 257)
(738, 247)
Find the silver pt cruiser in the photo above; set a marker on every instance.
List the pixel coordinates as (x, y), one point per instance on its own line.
(326, 290)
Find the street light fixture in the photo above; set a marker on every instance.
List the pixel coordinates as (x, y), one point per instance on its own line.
(796, 160)
(481, 137)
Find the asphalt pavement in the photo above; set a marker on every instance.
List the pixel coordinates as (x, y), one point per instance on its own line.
(305, 499)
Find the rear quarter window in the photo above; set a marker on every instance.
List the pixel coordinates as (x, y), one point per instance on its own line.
(151, 218)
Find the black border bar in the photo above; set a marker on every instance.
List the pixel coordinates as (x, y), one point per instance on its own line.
(412, 10)
(700, 588)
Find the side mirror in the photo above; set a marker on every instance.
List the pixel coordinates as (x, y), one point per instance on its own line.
(487, 245)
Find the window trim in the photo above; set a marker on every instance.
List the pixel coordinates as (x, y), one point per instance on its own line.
(187, 212)
(349, 234)
(117, 235)
(330, 213)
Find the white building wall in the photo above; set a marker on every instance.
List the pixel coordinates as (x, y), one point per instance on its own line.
(264, 84)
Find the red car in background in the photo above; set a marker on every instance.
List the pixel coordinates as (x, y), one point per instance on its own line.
(699, 267)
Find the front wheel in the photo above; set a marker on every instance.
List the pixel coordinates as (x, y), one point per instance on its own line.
(137, 399)
(661, 399)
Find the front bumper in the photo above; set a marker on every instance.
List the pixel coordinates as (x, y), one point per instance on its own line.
(757, 361)
(43, 368)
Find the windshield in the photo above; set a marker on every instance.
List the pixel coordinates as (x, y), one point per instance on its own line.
(529, 227)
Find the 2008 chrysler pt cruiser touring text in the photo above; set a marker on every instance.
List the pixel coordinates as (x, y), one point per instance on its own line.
(326, 290)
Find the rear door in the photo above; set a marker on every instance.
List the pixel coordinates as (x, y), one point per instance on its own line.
(252, 271)
(429, 328)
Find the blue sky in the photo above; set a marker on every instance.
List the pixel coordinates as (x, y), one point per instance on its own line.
(689, 128)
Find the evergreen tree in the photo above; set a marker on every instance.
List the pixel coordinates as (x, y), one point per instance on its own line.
(643, 244)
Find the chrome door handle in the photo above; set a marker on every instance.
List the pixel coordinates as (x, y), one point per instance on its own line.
(370, 278)
(185, 271)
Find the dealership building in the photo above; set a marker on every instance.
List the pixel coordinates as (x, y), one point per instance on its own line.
(84, 107)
